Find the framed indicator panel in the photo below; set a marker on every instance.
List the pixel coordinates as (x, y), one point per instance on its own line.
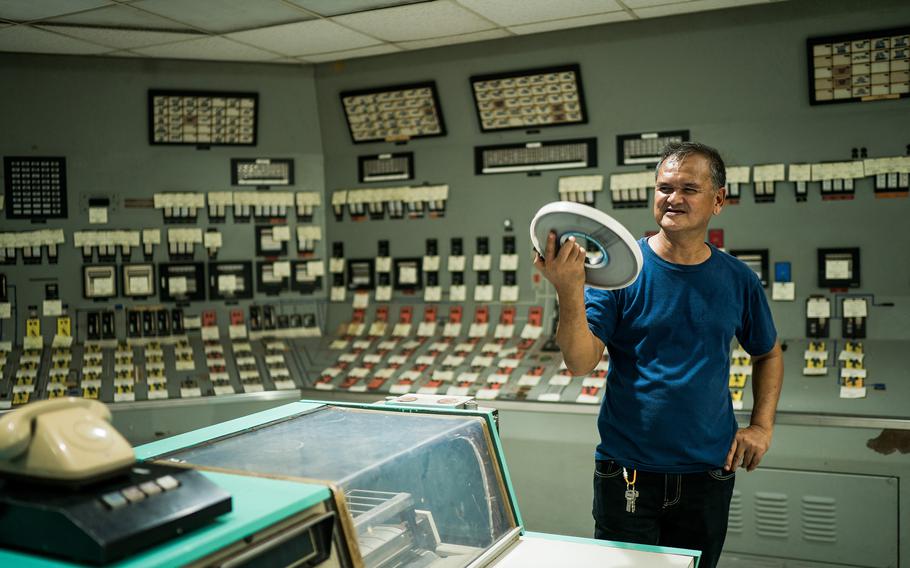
(535, 156)
(531, 98)
(35, 187)
(269, 241)
(202, 118)
(393, 114)
(757, 260)
(181, 281)
(303, 278)
(261, 172)
(859, 67)
(645, 148)
(385, 167)
(838, 268)
(138, 280)
(99, 282)
(271, 281)
(361, 273)
(407, 273)
(231, 280)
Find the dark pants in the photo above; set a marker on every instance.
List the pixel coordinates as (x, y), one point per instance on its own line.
(687, 510)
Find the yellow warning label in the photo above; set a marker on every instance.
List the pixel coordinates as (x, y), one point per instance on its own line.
(33, 327)
(64, 326)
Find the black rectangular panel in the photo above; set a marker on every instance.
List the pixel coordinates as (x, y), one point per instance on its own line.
(535, 156)
(35, 187)
(231, 280)
(181, 281)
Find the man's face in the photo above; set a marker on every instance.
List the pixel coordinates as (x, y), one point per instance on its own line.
(684, 198)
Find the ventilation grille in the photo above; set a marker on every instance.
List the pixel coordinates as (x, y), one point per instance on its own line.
(386, 167)
(771, 515)
(735, 520)
(819, 518)
(536, 156)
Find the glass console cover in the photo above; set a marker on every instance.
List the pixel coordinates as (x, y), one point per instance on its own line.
(422, 489)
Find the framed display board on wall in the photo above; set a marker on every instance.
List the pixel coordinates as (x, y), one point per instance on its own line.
(859, 67)
(202, 118)
(393, 114)
(531, 98)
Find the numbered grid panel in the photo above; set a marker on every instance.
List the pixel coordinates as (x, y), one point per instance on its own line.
(861, 67)
(393, 114)
(203, 118)
(35, 187)
(532, 98)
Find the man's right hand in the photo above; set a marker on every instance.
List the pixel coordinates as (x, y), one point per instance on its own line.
(565, 269)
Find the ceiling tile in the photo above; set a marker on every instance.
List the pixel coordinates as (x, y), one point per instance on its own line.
(316, 36)
(216, 48)
(222, 16)
(121, 16)
(39, 10)
(570, 23)
(352, 53)
(693, 6)
(518, 12)
(417, 21)
(451, 40)
(120, 39)
(336, 7)
(30, 40)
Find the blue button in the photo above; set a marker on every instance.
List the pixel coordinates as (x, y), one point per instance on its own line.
(782, 272)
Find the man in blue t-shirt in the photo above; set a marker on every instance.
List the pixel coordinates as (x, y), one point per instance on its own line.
(670, 444)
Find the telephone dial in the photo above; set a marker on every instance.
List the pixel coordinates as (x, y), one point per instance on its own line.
(67, 440)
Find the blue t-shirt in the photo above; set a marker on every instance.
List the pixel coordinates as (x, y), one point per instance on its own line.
(667, 406)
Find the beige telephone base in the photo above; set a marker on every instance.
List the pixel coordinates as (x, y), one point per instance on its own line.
(65, 440)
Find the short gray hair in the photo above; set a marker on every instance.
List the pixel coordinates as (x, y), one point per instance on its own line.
(682, 150)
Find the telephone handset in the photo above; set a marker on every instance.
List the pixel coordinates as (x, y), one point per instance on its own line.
(62, 440)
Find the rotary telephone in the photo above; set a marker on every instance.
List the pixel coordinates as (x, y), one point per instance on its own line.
(65, 440)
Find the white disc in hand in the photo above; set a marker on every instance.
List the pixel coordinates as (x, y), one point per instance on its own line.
(613, 257)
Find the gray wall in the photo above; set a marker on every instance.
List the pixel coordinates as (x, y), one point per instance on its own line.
(93, 111)
(736, 79)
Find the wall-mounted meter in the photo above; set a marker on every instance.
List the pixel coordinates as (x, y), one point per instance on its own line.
(757, 260)
(361, 274)
(138, 280)
(99, 282)
(230, 280)
(181, 281)
(838, 268)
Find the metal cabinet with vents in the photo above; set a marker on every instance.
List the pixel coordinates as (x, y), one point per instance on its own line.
(815, 516)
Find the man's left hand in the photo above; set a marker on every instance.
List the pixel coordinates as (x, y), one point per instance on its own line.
(748, 448)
